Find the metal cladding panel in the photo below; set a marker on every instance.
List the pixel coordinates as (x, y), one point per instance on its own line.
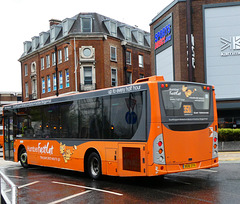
(164, 64)
(222, 49)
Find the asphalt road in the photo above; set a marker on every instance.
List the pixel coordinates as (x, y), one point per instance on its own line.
(48, 185)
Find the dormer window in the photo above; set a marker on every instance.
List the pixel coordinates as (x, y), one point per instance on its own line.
(27, 46)
(128, 34)
(86, 24)
(55, 29)
(67, 24)
(111, 26)
(140, 39)
(35, 42)
(138, 36)
(43, 38)
(113, 29)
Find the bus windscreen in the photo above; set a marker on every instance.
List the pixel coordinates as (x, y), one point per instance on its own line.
(185, 101)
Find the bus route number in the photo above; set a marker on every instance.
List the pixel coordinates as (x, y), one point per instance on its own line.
(187, 109)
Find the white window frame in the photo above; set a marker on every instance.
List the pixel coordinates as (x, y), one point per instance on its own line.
(65, 54)
(67, 78)
(90, 24)
(116, 78)
(25, 70)
(113, 29)
(140, 38)
(84, 74)
(140, 61)
(59, 56)
(130, 60)
(113, 58)
(47, 61)
(128, 34)
(26, 90)
(42, 63)
(53, 59)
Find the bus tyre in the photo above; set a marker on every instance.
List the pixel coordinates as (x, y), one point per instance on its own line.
(94, 166)
(23, 158)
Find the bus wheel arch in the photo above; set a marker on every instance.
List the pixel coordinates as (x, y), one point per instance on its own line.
(93, 163)
(22, 156)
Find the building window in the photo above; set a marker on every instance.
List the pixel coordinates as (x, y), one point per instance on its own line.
(65, 54)
(113, 29)
(128, 58)
(129, 77)
(141, 76)
(54, 82)
(140, 39)
(43, 85)
(140, 60)
(59, 56)
(53, 59)
(60, 80)
(87, 75)
(48, 61)
(128, 34)
(86, 25)
(42, 63)
(25, 70)
(48, 83)
(67, 78)
(113, 53)
(114, 77)
(26, 90)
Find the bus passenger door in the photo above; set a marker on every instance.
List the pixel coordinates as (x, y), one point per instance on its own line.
(132, 159)
(8, 139)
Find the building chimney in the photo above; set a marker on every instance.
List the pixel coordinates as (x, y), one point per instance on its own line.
(54, 22)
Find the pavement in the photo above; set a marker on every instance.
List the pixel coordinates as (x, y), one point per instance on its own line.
(229, 157)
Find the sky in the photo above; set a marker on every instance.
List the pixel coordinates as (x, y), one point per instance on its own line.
(23, 19)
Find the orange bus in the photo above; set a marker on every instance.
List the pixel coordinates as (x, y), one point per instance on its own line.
(149, 128)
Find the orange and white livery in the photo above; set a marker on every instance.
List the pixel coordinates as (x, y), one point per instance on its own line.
(149, 128)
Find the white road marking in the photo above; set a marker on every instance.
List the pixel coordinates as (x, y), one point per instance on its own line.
(10, 176)
(29, 184)
(69, 197)
(90, 188)
(209, 170)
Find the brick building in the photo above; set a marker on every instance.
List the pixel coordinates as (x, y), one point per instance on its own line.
(92, 52)
(199, 40)
(7, 98)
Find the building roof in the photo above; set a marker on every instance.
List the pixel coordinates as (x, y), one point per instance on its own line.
(167, 8)
(100, 25)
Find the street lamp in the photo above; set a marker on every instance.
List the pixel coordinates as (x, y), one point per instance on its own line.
(75, 63)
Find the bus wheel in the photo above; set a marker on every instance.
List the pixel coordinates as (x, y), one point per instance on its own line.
(23, 158)
(94, 166)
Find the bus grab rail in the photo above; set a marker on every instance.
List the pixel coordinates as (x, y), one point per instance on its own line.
(13, 187)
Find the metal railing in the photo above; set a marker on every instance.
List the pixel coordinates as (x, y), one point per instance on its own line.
(14, 189)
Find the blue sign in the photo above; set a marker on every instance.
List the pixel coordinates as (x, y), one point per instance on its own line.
(131, 117)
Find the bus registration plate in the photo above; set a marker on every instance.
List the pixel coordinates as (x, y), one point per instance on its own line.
(188, 166)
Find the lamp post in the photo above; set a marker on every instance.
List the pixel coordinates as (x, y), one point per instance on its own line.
(75, 63)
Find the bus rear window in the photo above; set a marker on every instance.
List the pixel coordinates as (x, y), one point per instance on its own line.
(185, 100)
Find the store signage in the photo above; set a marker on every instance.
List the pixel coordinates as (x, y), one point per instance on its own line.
(163, 36)
(230, 46)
